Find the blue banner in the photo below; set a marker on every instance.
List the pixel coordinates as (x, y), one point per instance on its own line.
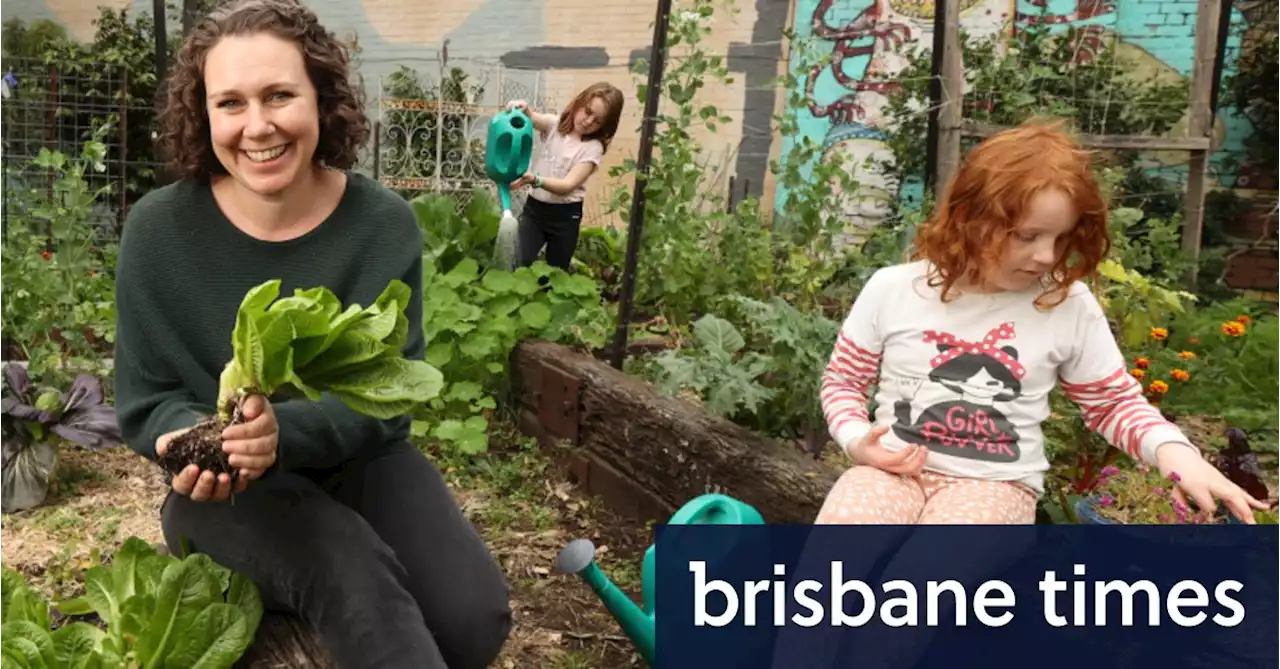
(952, 597)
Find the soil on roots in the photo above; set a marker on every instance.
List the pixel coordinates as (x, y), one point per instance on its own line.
(200, 446)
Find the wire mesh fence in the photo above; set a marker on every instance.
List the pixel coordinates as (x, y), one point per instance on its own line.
(58, 109)
(1078, 66)
(431, 128)
(1249, 89)
(432, 123)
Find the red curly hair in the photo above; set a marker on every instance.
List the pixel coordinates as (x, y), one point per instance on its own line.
(984, 202)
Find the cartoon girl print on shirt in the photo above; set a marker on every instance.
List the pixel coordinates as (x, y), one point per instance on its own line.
(969, 426)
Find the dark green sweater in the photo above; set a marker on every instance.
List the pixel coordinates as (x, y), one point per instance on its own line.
(182, 272)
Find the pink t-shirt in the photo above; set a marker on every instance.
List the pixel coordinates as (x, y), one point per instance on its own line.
(558, 155)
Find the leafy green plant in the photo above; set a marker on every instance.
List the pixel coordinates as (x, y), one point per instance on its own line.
(799, 345)
(474, 314)
(59, 306)
(159, 611)
(1136, 304)
(307, 344)
(717, 368)
(474, 318)
(35, 419)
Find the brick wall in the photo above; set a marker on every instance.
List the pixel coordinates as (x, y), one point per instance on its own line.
(1259, 267)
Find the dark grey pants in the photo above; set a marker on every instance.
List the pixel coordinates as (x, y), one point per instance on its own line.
(375, 554)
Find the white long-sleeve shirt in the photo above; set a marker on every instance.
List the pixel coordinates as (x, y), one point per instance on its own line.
(970, 379)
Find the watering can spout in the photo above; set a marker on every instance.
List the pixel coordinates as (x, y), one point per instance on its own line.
(638, 623)
(579, 558)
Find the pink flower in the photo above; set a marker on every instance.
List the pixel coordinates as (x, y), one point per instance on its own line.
(1107, 500)
(1158, 491)
(1173, 476)
(1164, 517)
(1110, 471)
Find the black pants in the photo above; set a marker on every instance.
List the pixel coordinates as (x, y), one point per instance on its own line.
(553, 225)
(374, 554)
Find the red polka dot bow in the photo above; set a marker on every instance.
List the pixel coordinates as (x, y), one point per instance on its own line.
(985, 347)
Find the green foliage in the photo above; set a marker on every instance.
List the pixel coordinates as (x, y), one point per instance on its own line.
(1238, 373)
(696, 247)
(474, 315)
(159, 611)
(1136, 303)
(767, 379)
(309, 344)
(716, 368)
(1037, 75)
(59, 302)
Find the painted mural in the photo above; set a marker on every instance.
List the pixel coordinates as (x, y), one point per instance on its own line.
(869, 39)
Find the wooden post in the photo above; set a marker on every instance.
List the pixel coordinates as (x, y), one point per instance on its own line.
(951, 115)
(1200, 123)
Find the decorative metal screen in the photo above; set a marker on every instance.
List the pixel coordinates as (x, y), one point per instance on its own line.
(432, 123)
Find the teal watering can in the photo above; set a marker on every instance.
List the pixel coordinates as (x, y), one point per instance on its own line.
(508, 150)
(638, 623)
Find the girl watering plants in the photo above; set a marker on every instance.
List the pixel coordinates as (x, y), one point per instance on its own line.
(334, 514)
(573, 145)
(999, 316)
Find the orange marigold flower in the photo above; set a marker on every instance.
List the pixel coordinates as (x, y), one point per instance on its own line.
(1142, 363)
(1137, 373)
(1158, 387)
(1242, 318)
(1159, 333)
(1232, 328)
(1187, 355)
(1180, 375)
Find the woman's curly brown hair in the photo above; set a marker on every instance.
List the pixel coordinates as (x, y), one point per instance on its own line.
(344, 128)
(966, 233)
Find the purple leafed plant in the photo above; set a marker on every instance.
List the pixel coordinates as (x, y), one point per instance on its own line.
(34, 418)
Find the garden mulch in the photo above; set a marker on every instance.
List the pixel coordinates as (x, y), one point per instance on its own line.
(523, 507)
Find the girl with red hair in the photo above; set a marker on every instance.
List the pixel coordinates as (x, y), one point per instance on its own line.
(968, 339)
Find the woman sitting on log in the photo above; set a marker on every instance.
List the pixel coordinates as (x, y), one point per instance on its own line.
(336, 516)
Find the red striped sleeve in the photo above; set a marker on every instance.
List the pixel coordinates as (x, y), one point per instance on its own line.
(1115, 408)
(1095, 377)
(846, 385)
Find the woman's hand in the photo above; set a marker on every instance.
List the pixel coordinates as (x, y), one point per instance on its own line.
(201, 486)
(869, 451)
(1196, 477)
(252, 444)
(518, 104)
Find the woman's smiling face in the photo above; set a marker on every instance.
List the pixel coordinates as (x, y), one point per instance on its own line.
(264, 120)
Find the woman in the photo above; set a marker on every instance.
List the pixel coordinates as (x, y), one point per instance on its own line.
(336, 516)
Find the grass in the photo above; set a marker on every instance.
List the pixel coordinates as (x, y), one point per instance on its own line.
(526, 510)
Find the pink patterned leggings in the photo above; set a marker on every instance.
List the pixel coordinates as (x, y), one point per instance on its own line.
(870, 496)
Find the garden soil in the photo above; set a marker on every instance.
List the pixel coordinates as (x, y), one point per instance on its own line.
(523, 508)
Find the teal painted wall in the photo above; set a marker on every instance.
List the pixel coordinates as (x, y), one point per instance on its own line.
(865, 35)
